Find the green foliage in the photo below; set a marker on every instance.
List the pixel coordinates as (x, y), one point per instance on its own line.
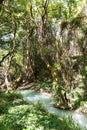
(23, 116)
(6, 100)
(45, 85)
(48, 43)
(83, 106)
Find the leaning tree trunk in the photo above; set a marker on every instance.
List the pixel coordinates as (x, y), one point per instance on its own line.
(9, 57)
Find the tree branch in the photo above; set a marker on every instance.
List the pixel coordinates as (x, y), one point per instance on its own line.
(2, 60)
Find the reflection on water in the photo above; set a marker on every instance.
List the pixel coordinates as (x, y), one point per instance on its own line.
(48, 101)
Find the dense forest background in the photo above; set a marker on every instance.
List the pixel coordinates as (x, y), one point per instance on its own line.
(45, 42)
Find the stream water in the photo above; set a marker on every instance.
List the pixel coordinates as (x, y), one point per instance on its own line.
(48, 103)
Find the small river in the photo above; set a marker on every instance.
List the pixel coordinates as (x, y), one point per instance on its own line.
(48, 103)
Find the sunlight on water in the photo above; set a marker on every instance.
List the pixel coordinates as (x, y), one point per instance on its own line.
(80, 118)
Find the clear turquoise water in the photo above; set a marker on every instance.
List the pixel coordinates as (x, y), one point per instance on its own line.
(48, 103)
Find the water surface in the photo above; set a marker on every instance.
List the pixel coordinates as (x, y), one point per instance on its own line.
(48, 103)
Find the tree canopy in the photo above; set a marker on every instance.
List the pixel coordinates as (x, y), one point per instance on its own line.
(45, 41)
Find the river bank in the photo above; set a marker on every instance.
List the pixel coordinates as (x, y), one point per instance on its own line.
(81, 108)
(48, 104)
(15, 113)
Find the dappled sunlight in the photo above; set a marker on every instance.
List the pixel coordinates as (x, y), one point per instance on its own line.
(17, 109)
(43, 48)
(23, 115)
(48, 103)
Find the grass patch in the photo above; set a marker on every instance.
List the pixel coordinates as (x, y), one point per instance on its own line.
(16, 114)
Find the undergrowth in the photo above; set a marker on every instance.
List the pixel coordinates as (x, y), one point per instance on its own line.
(16, 114)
